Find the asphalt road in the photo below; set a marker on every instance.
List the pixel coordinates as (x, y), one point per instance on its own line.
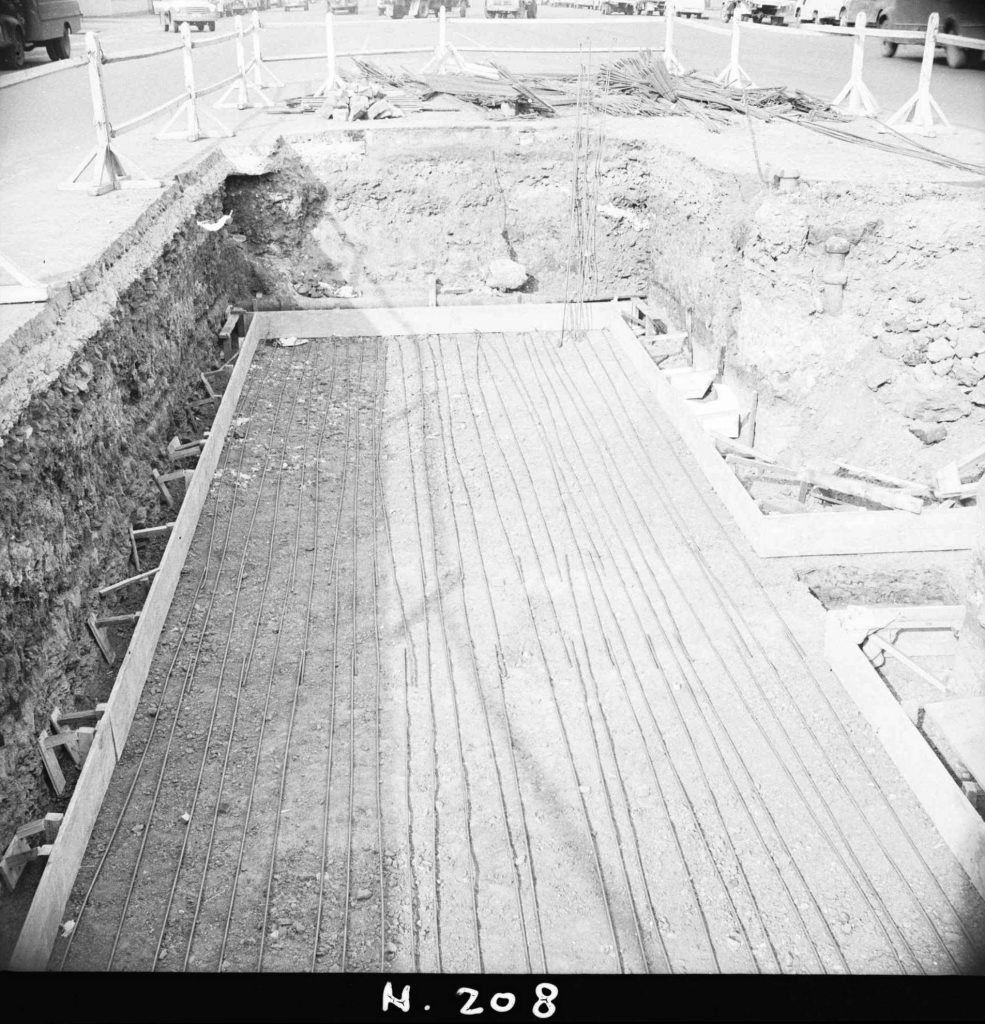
(47, 114)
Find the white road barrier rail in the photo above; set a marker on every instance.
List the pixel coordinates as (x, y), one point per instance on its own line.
(112, 170)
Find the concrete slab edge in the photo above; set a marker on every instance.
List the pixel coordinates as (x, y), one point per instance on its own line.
(950, 812)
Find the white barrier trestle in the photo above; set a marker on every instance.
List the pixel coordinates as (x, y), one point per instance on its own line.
(193, 127)
(671, 63)
(917, 114)
(331, 75)
(242, 87)
(732, 74)
(855, 98)
(110, 170)
(259, 68)
(446, 57)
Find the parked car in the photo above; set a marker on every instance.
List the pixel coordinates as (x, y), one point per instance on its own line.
(823, 10)
(31, 23)
(957, 17)
(176, 13)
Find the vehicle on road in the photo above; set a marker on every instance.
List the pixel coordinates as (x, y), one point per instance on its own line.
(618, 7)
(512, 8)
(649, 7)
(819, 11)
(335, 6)
(957, 18)
(775, 14)
(696, 8)
(420, 8)
(25, 24)
(175, 13)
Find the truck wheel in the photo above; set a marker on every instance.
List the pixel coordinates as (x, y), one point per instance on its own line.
(212, 26)
(60, 49)
(956, 56)
(532, 11)
(165, 21)
(15, 53)
(176, 26)
(463, 10)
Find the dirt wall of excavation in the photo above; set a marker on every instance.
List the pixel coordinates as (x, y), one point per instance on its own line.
(75, 472)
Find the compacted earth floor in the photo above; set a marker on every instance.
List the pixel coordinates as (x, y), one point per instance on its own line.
(466, 672)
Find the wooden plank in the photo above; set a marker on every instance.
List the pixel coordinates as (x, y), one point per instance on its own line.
(52, 822)
(134, 553)
(51, 765)
(961, 725)
(871, 474)
(102, 640)
(76, 718)
(14, 860)
(861, 533)
(953, 817)
(153, 531)
(879, 644)
(351, 323)
(142, 577)
(32, 828)
(117, 620)
(41, 925)
(701, 443)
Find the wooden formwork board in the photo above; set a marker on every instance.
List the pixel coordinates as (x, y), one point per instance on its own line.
(804, 533)
(947, 807)
(41, 924)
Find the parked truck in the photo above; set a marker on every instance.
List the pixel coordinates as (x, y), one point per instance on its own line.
(25, 24)
(175, 13)
(419, 8)
(775, 14)
(618, 7)
(511, 8)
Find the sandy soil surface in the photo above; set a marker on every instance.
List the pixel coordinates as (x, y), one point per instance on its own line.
(448, 686)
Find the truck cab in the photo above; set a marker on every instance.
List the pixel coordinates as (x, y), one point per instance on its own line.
(25, 24)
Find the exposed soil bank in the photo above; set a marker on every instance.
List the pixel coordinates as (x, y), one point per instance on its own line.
(75, 466)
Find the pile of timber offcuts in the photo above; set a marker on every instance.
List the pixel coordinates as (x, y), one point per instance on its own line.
(779, 488)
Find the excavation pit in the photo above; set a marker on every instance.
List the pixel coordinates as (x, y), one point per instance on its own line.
(371, 215)
(435, 679)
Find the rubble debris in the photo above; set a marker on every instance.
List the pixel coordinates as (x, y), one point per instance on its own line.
(506, 275)
(929, 433)
(359, 101)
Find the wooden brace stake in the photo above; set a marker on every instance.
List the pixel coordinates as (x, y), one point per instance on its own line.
(102, 639)
(143, 577)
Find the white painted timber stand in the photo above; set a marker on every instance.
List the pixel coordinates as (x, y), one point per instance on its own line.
(447, 60)
(241, 87)
(855, 98)
(193, 128)
(917, 114)
(732, 74)
(258, 67)
(110, 170)
(331, 75)
(25, 289)
(671, 63)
